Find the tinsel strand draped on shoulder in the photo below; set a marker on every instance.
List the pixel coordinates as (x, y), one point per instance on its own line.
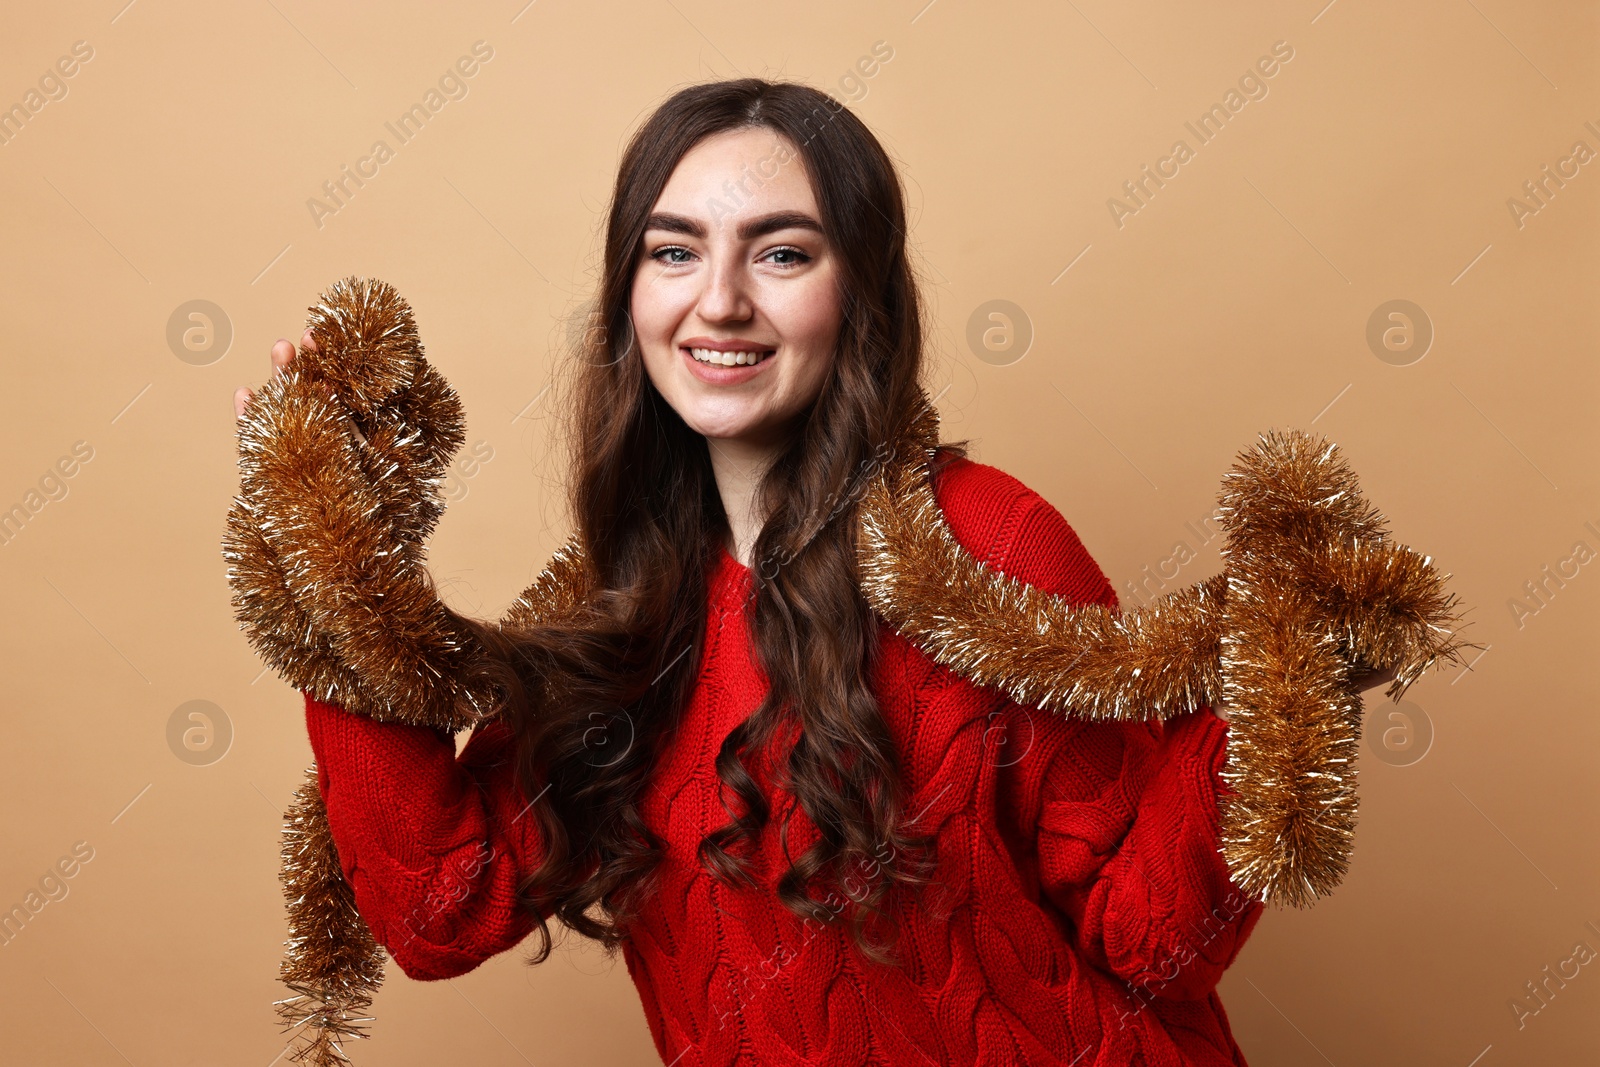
(341, 459)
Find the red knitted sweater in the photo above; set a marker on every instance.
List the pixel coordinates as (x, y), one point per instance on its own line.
(1082, 913)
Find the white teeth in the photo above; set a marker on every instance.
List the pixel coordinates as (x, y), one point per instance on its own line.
(727, 359)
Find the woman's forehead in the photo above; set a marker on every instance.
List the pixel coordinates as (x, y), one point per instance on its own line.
(733, 176)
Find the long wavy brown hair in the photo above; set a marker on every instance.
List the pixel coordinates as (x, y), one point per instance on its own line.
(594, 704)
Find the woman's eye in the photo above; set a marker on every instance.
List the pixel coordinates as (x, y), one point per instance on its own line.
(788, 257)
(799, 257)
(664, 253)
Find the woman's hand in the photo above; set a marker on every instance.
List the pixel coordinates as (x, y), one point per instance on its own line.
(1367, 682)
(341, 454)
(282, 353)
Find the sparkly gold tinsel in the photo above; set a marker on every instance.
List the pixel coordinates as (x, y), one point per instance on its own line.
(1312, 593)
(332, 977)
(341, 458)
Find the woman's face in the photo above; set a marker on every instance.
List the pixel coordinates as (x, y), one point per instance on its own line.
(734, 267)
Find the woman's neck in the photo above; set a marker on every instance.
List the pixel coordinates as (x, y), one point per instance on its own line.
(738, 465)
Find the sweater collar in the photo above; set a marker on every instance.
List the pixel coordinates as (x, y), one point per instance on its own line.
(730, 579)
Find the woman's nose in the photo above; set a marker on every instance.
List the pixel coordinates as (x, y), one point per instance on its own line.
(726, 298)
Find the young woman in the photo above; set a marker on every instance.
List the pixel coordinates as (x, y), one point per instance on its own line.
(812, 844)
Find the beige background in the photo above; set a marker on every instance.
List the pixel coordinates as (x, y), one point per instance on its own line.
(178, 167)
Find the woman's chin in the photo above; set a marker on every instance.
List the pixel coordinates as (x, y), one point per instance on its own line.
(747, 425)
(738, 432)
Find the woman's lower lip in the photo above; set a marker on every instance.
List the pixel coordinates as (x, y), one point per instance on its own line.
(717, 374)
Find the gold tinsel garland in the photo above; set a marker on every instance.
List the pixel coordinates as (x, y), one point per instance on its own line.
(340, 462)
(1312, 590)
(333, 965)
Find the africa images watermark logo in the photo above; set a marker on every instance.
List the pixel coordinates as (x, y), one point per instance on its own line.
(451, 85)
(1252, 85)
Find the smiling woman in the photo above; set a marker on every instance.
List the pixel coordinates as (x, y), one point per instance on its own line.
(812, 843)
(737, 318)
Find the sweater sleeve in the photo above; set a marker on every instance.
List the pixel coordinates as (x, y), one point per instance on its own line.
(1129, 849)
(1127, 833)
(433, 845)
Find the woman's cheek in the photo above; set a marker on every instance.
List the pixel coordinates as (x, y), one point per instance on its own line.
(645, 311)
(806, 340)
(652, 333)
(808, 319)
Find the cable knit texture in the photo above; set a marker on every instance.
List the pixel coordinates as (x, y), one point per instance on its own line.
(1082, 913)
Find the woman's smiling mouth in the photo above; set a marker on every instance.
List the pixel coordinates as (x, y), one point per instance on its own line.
(725, 362)
(728, 359)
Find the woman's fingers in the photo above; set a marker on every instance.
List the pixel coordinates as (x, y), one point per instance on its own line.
(284, 350)
(1366, 682)
(1376, 679)
(282, 353)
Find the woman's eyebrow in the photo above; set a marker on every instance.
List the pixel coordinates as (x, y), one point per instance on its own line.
(756, 227)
